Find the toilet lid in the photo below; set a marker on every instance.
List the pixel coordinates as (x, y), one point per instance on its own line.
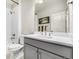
(14, 47)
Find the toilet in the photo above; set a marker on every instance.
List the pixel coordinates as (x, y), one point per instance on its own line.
(15, 51)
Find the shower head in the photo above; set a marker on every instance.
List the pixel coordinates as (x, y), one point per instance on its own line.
(15, 2)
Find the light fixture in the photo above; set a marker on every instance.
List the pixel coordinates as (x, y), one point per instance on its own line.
(39, 1)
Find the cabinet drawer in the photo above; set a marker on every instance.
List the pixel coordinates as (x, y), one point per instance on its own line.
(61, 50)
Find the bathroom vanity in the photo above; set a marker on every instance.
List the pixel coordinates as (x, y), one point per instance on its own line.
(41, 47)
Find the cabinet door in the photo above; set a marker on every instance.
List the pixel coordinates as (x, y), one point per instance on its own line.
(47, 55)
(30, 52)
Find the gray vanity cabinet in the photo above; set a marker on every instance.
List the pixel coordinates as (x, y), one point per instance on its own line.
(30, 52)
(46, 55)
(36, 49)
(35, 53)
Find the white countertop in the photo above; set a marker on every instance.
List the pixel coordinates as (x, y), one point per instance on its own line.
(62, 40)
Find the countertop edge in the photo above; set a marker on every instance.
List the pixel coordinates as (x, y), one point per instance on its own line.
(54, 42)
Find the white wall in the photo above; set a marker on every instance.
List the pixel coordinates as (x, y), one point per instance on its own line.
(12, 21)
(15, 23)
(27, 12)
(57, 16)
(8, 25)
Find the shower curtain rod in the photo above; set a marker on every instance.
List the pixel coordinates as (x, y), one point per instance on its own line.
(15, 2)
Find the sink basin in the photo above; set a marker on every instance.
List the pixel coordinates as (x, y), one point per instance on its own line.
(14, 47)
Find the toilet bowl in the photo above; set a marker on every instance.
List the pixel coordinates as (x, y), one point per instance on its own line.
(14, 50)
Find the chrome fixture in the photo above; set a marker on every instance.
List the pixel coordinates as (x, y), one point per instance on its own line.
(50, 33)
(70, 2)
(15, 2)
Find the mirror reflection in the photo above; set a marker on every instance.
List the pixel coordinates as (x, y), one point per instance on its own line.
(53, 15)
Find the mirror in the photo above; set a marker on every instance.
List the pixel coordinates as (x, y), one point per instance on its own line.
(51, 15)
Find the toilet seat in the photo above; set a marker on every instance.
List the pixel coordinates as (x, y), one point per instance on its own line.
(14, 50)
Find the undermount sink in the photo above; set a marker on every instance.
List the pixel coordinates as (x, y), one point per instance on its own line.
(14, 47)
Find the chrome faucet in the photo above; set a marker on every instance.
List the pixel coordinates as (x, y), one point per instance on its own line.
(19, 41)
(51, 32)
(12, 38)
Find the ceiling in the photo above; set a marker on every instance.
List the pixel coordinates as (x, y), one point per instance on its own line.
(46, 3)
(37, 6)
